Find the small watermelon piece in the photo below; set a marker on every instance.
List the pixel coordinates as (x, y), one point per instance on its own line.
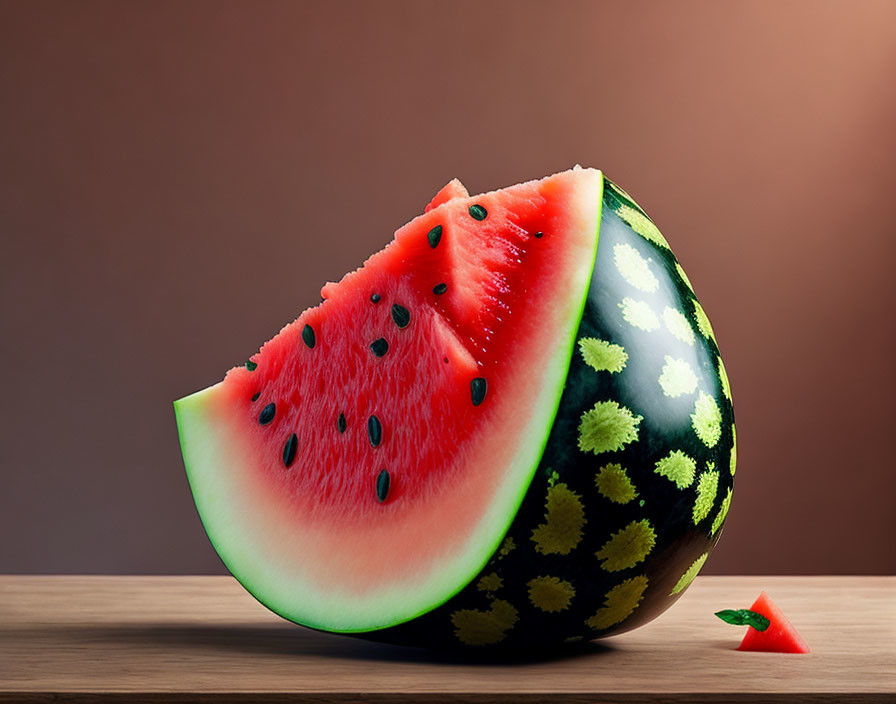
(511, 426)
(779, 637)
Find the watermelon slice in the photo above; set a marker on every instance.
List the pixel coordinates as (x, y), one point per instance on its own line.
(415, 363)
(779, 637)
(492, 432)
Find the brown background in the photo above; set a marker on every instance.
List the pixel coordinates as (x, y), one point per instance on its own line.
(178, 180)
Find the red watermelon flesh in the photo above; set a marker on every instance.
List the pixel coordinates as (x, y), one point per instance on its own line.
(369, 460)
(779, 637)
(453, 189)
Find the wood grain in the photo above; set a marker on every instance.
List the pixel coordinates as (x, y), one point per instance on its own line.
(204, 639)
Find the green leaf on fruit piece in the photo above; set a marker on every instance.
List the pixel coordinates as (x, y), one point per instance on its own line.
(744, 617)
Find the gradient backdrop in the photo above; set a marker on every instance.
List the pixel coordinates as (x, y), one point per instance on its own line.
(177, 180)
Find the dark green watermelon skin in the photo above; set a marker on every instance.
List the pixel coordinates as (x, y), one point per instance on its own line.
(498, 608)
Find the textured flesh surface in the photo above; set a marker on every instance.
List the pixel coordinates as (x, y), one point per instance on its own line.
(779, 637)
(627, 502)
(453, 189)
(314, 541)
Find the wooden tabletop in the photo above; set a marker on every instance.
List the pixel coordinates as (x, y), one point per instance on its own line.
(136, 639)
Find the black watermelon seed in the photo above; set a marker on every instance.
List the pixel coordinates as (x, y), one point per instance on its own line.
(374, 431)
(538, 234)
(340, 423)
(401, 315)
(382, 485)
(375, 298)
(434, 235)
(267, 414)
(251, 366)
(289, 450)
(379, 347)
(308, 336)
(255, 396)
(478, 212)
(439, 289)
(478, 387)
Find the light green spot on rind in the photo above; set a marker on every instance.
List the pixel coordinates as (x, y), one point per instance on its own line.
(563, 522)
(689, 575)
(628, 547)
(634, 268)
(723, 512)
(550, 594)
(490, 583)
(641, 224)
(614, 484)
(484, 627)
(683, 276)
(707, 486)
(639, 314)
(619, 603)
(677, 378)
(707, 419)
(678, 325)
(607, 427)
(602, 356)
(703, 324)
(677, 467)
(723, 377)
(506, 547)
(732, 461)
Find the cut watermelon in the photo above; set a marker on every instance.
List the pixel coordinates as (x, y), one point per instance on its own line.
(487, 434)
(779, 637)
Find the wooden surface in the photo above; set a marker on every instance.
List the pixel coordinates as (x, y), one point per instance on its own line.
(205, 639)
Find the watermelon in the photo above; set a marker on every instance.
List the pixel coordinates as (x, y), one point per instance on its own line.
(779, 637)
(510, 427)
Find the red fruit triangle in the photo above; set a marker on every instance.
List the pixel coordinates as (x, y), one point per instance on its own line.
(779, 637)
(453, 189)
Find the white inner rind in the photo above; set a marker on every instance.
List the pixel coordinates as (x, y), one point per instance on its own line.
(284, 572)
